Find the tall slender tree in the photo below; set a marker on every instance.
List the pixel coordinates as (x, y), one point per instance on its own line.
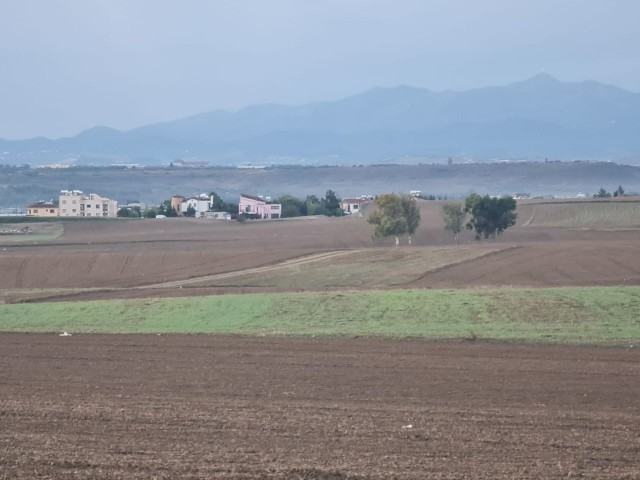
(394, 215)
(454, 216)
(411, 214)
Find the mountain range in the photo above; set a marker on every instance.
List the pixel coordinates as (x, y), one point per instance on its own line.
(540, 117)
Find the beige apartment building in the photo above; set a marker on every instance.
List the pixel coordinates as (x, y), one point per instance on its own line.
(42, 209)
(74, 203)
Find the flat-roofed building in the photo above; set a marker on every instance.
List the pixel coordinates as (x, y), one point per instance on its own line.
(259, 207)
(74, 203)
(42, 209)
(199, 204)
(353, 205)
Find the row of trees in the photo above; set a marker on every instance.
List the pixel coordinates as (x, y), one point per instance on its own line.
(489, 216)
(136, 212)
(328, 205)
(398, 215)
(602, 193)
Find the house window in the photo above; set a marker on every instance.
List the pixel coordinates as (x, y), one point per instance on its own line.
(51, 211)
(275, 207)
(35, 210)
(354, 207)
(97, 206)
(74, 210)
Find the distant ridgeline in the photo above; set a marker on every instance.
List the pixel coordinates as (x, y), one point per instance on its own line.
(537, 118)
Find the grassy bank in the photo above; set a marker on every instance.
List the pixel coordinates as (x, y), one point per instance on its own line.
(598, 315)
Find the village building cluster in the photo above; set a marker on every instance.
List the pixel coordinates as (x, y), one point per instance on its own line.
(74, 203)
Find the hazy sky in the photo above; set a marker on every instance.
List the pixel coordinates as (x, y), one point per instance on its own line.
(68, 65)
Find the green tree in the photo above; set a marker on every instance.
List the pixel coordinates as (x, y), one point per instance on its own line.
(454, 216)
(332, 204)
(490, 216)
(191, 212)
(619, 192)
(314, 205)
(129, 212)
(123, 213)
(394, 215)
(167, 210)
(411, 214)
(292, 207)
(149, 213)
(217, 204)
(602, 193)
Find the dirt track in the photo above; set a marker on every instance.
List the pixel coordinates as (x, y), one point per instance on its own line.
(175, 252)
(167, 407)
(248, 271)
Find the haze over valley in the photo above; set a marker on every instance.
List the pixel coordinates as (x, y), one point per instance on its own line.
(538, 118)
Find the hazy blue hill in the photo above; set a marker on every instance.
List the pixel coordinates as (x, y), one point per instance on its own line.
(537, 117)
(201, 126)
(154, 185)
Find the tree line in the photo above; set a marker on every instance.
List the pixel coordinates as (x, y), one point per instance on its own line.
(399, 215)
(328, 205)
(602, 193)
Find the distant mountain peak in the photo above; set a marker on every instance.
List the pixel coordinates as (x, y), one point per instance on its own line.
(541, 79)
(99, 131)
(544, 77)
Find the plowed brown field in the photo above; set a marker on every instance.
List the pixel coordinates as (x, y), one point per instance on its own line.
(196, 407)
(207, 407)
(160, 254)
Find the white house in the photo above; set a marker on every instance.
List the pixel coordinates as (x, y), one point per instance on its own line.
(74, 203)
(353, 205)
(201, 203)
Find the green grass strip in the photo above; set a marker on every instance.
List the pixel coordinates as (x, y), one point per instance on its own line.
(591, 316)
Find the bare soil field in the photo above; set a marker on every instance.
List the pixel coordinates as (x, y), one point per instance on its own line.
(11, 234)
(129, 253)
(543, 265)
(200, 406)
(166, 407)
(159, 257)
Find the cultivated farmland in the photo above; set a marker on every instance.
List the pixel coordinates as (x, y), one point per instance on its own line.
(348, 359)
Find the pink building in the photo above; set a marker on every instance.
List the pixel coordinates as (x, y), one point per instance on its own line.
(259, 207)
